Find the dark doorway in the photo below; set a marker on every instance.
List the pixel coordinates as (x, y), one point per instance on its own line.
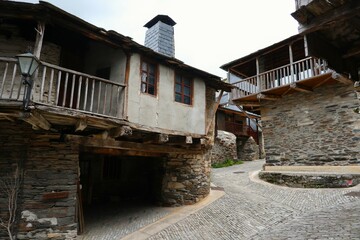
(110, 184)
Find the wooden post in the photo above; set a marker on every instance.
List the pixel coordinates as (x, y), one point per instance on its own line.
(40, 30)
(127, 74)
(306, 48)
(291, 63)
(258, 83)
(214, 112)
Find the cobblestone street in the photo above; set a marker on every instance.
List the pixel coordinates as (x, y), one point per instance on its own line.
(250, 209)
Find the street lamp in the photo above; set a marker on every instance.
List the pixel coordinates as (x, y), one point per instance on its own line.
(28, 64)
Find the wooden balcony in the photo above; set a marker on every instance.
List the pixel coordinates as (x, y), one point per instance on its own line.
(63, 88)
(273, 84)
(241, 130)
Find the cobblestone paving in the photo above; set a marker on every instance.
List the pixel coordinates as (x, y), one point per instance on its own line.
(254, 210)
(115, 221)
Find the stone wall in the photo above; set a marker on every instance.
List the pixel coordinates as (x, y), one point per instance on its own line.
(224, 147)
(186, 180)
(47, 197)
(247, 149)
(319, 128)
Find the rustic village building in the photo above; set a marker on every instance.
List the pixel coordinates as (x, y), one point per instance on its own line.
(303, 87)
(107, 119)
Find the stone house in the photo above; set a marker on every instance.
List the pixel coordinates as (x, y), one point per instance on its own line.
(108, 119)
(307, 111)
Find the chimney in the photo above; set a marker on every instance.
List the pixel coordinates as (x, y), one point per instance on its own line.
(160, 35)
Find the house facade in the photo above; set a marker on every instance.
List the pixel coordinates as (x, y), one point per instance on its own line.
(107, 119)
(307, 112)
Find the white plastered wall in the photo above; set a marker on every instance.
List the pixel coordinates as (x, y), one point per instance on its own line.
(162, 111)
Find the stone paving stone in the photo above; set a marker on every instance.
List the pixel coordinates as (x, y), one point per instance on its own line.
(253, 210)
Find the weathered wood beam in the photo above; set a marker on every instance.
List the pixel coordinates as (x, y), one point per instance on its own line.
(247, 104)
(40, 30)
(121, 152)
(213, 113)
(162, 138)
(342, 79)
(80, 125)
(121, 132)
(103, 135)
(36, 120)
(301, 88)
(322, 82)
(268, 96)
(188, 140)
(124, 145)
(335, 16)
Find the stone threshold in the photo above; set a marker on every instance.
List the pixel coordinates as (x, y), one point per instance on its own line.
(178, 214)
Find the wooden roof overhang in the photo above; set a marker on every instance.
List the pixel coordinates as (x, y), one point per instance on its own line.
(53, 15)
(333, 30)
(240, 113)
(273, 56)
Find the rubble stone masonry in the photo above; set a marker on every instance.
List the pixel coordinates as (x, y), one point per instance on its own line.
(187, 179)
(47, 196)
(319, 128)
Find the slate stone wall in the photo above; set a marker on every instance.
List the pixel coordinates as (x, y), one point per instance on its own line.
(247, 149)
(224, 147)
(47, 197)
(319, 128)
(186, 180)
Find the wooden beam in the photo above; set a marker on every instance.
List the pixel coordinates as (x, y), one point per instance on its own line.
(301, 88)
(267, 96)
(125, 145)
(40, 30)
(335, 16)
(188, 140)
(247, 104)
(342, 79)
(162, 138)
(212, 114)
(126, 97)
(36, 120)
(121, 152)
(322, 82)
(120, 131)
(80, 125)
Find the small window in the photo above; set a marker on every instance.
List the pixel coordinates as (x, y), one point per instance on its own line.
(148, 78)
(183, 89)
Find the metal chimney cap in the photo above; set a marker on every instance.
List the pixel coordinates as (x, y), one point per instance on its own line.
(162, 18)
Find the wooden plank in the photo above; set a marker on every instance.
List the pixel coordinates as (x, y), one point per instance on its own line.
(188, 140)
(126, 83)
(121, 152)
(125, 145)
(121, 131)
(268, 96)
(341, 78)
(36, 120)
(247, 104)
(301, 88)
(213, 113)
(40, 30)
(55, 195)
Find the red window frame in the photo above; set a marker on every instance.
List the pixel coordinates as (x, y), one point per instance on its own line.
(183, 89)
(148, 77)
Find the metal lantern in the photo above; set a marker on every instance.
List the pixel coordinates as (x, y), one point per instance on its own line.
(28, 64)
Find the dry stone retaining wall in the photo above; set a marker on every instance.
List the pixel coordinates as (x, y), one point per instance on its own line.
(319, 128)
(224, 147)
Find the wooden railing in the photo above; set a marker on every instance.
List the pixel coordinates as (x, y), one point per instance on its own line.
(241, 130)
(300, 70)
(61, 87)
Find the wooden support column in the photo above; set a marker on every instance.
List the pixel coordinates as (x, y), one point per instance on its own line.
(306, 47)
(126, 97)
(258, 83)
(40, 30)
(214, 112)
(291, 63)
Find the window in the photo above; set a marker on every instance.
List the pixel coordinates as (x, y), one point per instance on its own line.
(148, 78)
(183, 89)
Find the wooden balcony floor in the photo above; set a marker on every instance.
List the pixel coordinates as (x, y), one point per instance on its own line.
(253, 100)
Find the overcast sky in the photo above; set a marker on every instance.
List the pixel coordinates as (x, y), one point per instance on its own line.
(208, 33)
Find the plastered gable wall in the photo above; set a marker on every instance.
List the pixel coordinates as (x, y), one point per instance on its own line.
(162, 111)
